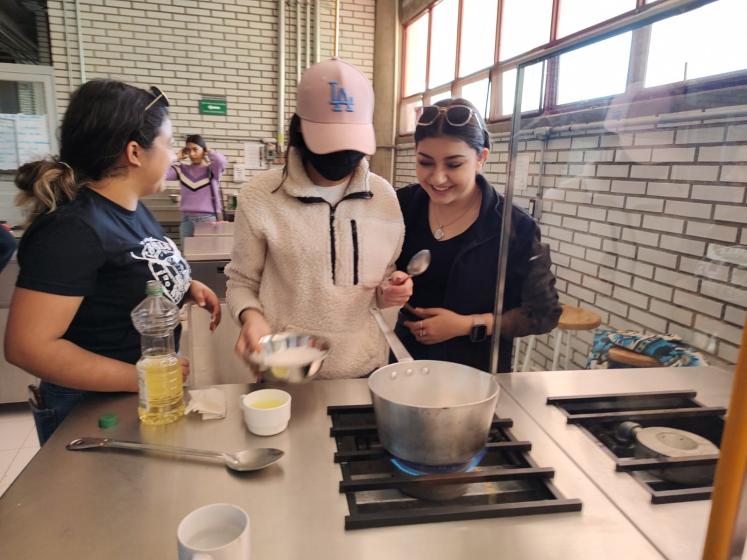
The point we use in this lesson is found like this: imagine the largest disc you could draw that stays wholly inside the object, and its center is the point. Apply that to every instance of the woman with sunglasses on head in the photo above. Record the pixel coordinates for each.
(91, 246)
(315, 243)
(455, 213)
(200, 199)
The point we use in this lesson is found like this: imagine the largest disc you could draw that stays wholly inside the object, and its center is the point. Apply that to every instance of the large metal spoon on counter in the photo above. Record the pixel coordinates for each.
(248, 460)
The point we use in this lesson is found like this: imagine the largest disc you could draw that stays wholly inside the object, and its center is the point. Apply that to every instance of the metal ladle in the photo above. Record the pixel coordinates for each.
(248, 460)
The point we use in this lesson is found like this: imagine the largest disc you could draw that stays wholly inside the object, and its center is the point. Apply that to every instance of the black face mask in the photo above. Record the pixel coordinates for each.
(335, 166)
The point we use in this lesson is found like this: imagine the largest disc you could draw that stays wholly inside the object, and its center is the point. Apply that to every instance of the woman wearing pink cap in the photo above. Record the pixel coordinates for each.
(315, 240)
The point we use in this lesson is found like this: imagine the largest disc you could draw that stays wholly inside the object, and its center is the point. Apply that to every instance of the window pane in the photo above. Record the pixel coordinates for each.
(525, 24)
(443, 42)
(416, 38)
(530, 97)
(477, 94)
(440, 96)
(22, 97)
(478, 35)
(578, 14)
(409, 116)
(704, 42)
(597, 70)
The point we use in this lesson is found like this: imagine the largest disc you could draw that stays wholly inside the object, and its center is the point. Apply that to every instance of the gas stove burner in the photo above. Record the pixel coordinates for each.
(668, 441)
(435, 492)
(414, 469)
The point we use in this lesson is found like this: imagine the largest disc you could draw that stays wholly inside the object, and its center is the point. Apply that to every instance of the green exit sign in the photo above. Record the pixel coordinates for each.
(213, 107)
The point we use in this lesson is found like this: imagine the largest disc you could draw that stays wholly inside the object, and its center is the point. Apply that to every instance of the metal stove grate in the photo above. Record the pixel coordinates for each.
(599, 415)
(506, 482)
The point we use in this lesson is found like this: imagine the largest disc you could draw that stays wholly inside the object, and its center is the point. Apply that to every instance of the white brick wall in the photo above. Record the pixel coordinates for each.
(635, 230)
(224, 48)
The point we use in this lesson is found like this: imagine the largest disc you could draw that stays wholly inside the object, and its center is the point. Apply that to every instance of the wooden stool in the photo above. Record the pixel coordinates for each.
(630, 358)
(571, 320)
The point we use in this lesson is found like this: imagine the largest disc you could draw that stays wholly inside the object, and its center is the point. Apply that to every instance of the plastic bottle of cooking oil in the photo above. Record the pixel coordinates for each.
(159, 372)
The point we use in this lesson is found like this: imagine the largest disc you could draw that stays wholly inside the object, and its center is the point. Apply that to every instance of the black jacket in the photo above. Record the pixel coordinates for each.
(471, 286)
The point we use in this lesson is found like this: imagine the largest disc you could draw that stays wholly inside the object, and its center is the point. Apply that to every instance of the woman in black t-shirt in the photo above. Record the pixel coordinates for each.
(90, 248)
(456, 214)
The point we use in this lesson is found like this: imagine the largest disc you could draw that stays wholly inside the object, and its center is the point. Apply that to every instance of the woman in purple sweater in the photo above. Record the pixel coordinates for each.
(200, 184)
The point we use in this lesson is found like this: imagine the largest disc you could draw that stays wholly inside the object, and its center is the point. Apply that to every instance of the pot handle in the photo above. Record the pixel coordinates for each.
(398, 349)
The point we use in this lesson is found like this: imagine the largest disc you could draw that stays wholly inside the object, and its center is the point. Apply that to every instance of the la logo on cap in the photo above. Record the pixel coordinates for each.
(339, 97)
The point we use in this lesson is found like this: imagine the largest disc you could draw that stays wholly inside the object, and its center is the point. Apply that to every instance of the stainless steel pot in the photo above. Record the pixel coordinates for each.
(431, 412)
(666, 442)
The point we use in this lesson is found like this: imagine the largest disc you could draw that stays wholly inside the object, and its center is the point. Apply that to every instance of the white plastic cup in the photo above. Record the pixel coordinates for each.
(214, 532)
(267, 411)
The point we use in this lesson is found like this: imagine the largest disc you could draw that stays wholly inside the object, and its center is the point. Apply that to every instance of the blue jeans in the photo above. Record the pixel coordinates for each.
(58, 402)
(187, 227)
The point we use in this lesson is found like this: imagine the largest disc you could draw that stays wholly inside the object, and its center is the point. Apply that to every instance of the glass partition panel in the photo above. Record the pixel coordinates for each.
(704, 42)
(598, 70)
(531, 98)
(645, 215)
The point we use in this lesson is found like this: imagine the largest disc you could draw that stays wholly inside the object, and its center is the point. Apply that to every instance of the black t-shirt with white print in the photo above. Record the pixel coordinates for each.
(94, 248)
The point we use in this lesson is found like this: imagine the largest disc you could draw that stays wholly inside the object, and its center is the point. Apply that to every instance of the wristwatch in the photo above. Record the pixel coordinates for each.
(479, 330)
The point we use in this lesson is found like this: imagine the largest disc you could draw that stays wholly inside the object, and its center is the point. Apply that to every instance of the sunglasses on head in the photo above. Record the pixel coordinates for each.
(158, 95)
(455, 115)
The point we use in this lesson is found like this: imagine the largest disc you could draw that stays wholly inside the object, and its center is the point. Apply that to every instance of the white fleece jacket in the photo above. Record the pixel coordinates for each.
(312, 268)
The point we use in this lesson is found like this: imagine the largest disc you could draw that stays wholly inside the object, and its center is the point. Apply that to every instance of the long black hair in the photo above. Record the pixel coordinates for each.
(103, 116)
(473, 133)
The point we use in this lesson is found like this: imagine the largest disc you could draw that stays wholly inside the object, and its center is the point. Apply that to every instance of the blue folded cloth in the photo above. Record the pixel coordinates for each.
(669, 350)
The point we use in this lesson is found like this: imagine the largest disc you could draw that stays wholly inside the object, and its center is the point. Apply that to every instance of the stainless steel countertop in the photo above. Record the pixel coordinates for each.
(112, 504)
(677, 530)
(209, 229)
(208, 248)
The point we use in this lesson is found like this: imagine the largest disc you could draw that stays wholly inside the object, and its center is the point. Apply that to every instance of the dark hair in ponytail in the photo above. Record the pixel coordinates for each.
(103, 116)
(196, 139)
(295, 140)
(474, 133)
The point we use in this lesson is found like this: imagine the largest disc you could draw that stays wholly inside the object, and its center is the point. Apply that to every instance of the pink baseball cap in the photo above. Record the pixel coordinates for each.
(335, 104)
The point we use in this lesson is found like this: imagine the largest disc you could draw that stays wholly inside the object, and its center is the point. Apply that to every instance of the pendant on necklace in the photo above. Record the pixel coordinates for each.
(439, 233)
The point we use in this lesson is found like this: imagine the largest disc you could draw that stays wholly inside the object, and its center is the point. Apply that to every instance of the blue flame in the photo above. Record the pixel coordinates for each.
(414, 469)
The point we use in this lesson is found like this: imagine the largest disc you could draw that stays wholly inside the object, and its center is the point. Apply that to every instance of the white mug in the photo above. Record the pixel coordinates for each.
(214, 532)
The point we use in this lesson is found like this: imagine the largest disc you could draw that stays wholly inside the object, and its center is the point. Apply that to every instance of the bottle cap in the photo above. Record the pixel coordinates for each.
(153, 288)
(108, 420)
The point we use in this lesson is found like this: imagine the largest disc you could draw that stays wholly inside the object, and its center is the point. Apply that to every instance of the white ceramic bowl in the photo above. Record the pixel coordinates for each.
(266, 411)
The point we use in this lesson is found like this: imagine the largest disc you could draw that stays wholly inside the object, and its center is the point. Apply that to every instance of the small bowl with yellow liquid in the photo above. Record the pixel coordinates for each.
(266, 411)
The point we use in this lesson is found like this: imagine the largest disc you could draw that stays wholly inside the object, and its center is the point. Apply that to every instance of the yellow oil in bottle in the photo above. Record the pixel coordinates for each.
(161, 394)
(268, 403)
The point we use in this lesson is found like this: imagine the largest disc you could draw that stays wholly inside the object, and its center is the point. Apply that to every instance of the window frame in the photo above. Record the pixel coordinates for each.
(45, 76)
(634, 88)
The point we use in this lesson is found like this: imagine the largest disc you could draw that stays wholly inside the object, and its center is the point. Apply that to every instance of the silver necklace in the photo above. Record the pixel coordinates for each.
(439, 233)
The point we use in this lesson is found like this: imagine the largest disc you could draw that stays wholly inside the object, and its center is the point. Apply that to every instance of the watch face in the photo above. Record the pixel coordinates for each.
(478, 333)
